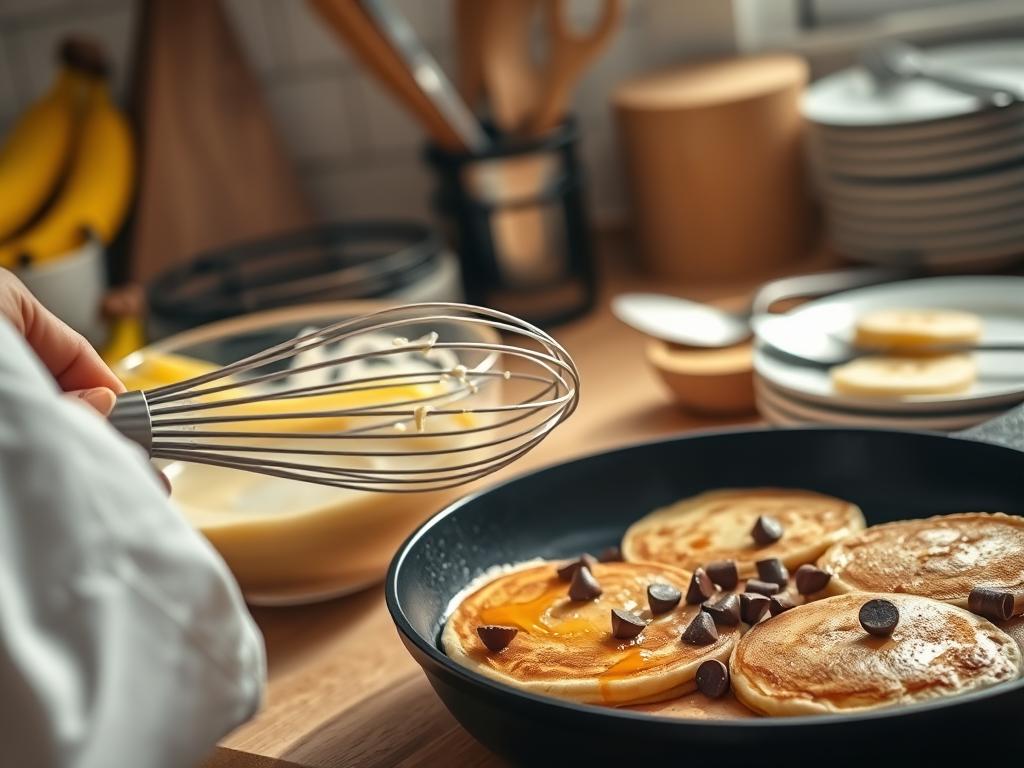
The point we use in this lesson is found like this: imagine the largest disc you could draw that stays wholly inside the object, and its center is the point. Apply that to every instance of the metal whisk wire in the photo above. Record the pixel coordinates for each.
(227, 418)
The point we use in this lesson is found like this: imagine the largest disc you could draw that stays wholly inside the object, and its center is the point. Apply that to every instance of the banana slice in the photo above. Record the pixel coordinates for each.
(913, 329)
(881, 376)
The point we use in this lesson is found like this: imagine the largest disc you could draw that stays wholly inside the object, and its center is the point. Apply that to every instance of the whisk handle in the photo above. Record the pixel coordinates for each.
(131, 418)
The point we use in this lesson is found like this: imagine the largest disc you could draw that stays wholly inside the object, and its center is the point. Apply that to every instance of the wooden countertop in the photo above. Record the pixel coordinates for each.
(343, 691)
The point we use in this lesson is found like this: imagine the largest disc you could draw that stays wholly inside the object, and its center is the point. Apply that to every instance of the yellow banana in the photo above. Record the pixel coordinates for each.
(36, 152)
(96, 192)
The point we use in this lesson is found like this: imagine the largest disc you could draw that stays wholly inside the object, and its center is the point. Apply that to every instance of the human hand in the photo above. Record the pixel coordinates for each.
(77, 367)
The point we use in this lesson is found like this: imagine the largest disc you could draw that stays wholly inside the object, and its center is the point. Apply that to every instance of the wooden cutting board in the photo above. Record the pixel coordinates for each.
(213, 170)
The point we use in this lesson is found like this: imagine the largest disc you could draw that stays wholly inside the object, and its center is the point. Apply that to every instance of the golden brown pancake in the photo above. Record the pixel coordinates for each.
(697, 706)
(717, 526)
(817, 658)
(1014, 628)
(566, 648)
(941, 557)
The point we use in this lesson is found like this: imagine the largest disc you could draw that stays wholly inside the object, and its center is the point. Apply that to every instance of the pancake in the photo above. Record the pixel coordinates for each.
(1014, 628)
(817, 659)
(717, 526)
(566, 648)
(697, 706)
(941, 557)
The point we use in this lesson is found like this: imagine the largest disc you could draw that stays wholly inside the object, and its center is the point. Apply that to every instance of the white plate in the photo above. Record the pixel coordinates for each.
(874, 190)
(978, 258)
(819, 414)
(936, 130)
(918, 149)
(774, 416)
(999, 301)
(1005, 216)
(956, 162)
(1009, 198)
(980, 238)
(850, 98)
(784, 417)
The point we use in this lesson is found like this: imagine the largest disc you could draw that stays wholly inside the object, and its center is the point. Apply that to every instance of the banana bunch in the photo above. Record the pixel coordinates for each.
(67, 169)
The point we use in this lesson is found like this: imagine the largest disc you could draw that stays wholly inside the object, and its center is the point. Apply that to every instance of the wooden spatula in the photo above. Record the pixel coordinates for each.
(511, 77)
(569, 55)
(468, 16)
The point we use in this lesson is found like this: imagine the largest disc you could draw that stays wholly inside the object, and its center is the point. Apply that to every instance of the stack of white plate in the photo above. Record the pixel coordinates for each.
(789, 393)
(917, 173)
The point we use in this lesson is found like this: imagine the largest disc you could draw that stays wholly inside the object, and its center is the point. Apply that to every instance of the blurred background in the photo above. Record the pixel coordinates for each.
(189, 182)
(267, 97)
(175, 172)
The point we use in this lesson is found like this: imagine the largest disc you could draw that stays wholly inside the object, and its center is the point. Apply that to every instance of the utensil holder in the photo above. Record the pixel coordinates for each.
(515, 215)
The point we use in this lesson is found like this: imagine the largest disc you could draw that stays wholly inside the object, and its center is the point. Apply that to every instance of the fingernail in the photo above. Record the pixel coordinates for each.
(100, 398)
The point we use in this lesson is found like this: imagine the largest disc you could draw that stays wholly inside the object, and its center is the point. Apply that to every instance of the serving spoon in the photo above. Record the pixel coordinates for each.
(692, 324)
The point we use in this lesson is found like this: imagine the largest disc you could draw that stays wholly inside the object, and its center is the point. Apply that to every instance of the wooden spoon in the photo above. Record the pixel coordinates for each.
(511, 76)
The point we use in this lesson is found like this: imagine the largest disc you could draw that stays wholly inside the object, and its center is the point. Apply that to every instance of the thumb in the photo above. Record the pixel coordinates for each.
(100, 399)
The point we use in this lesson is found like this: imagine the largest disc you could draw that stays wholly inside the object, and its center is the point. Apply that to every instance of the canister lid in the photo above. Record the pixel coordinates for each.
(712, 82)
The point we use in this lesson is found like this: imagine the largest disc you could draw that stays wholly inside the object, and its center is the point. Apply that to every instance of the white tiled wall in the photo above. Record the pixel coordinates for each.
(356, 151)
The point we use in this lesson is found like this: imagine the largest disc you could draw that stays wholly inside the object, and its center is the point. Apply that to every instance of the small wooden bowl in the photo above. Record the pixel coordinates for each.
(710, 381)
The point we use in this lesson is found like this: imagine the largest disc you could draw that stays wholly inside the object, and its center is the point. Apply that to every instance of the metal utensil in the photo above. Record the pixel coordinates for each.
(295, 411)
(893, 61)
(680, 321)
(428, 74)
(351, 22)
(810, 346)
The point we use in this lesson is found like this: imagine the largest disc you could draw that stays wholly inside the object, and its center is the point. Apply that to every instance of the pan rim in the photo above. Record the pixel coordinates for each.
(568, 707)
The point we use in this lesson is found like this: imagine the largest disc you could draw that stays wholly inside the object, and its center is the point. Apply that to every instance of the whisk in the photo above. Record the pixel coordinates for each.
(358, 405)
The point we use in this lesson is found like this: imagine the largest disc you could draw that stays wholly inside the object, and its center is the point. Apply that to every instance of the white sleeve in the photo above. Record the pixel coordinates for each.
(123, 637)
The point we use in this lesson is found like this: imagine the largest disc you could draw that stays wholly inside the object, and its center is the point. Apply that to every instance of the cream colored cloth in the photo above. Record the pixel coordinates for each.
(124, 640)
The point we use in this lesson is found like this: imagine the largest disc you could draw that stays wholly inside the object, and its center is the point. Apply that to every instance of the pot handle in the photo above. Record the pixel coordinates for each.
(1007, 429)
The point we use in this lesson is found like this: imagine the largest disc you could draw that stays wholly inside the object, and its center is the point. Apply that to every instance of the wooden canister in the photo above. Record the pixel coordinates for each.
(714, 162)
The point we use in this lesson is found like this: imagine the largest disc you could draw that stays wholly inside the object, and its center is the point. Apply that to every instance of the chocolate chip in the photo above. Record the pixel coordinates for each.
(584, 586)
(701, 587)
(495, 636)
(879, 617)
(810, 579)
(567, 571)
(701, 630)
(762, 587)
(779, 604)
(723, 573)
(662, 598)
(713, 678)
(766, 531)
(752, 607)
(610, 555)
(725, 611)
(993, 604)
(773, 571)
(626, 625)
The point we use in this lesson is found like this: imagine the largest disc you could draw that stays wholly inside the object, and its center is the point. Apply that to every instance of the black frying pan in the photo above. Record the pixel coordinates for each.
(586, 504)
